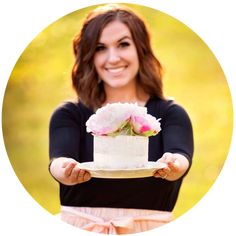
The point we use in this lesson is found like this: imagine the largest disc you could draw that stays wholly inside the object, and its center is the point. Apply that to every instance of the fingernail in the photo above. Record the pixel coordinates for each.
(87, 176)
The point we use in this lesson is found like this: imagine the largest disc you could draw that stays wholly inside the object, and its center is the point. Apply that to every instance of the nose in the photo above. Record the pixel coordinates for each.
(113, 56)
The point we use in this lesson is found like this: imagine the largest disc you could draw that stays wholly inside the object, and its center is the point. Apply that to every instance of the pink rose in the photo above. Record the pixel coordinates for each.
(146, 125)
(123, 118)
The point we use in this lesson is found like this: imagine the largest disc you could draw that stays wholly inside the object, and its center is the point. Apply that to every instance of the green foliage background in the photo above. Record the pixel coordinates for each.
(40, 80)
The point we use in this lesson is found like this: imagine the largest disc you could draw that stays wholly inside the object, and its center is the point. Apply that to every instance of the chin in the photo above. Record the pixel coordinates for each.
(119, 83)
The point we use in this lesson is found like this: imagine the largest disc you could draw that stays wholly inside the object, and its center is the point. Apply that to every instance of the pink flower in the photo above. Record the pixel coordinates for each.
(146, 125)
(109, 119)
(122, 118)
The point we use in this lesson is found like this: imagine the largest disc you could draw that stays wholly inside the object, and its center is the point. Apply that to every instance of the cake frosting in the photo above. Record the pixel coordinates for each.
(120, 152)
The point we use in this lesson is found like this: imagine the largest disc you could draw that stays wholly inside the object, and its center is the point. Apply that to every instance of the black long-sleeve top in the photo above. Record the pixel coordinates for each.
(68, 138)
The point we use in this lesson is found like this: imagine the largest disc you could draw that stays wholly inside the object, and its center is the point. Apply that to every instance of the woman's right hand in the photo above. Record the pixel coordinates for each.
(66, 171)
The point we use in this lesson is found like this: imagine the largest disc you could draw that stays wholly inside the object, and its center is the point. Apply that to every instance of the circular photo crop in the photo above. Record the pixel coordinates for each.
(41, 81)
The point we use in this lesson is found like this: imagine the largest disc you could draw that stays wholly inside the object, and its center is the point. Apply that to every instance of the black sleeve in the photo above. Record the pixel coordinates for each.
(64, 132)
(177, 132)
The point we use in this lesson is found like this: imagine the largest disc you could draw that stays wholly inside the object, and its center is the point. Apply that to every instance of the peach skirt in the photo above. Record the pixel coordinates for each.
(114, 220)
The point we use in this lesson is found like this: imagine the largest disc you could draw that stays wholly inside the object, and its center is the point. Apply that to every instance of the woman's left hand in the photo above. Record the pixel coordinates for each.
(177, 165)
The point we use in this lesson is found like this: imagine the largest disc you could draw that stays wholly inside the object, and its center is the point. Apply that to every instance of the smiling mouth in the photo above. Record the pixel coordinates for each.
(116, 70)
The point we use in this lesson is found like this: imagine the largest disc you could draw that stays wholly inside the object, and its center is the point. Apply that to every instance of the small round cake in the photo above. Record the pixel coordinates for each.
(120, 152)
(121, 132)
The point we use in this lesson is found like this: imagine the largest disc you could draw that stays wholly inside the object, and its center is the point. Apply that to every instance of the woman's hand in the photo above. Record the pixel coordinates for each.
(177, 165)
(66, 171)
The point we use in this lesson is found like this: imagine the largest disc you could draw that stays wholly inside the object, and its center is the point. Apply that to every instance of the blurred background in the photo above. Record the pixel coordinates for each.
(40, 81)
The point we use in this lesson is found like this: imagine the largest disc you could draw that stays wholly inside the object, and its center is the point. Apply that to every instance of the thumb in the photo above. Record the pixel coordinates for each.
(174, 166)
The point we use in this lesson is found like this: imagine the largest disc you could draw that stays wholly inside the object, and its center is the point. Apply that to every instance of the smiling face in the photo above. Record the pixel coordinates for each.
(116, 59)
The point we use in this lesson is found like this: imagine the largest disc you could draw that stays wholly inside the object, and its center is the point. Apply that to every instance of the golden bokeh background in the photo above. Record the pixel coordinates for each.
(40, 81)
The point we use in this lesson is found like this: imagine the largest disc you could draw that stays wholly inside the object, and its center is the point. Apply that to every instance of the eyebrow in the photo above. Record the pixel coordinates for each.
(124, 37)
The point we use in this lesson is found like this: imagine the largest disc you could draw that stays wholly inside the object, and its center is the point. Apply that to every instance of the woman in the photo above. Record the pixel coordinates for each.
(114, 62)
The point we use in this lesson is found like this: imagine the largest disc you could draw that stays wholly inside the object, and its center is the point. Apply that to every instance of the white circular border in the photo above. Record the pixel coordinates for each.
(213, 21)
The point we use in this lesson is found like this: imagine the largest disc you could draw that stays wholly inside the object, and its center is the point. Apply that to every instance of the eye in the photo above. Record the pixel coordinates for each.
(124, 44)
(100, 48)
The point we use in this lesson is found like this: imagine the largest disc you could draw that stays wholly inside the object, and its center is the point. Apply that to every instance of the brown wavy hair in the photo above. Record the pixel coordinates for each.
(84, 76)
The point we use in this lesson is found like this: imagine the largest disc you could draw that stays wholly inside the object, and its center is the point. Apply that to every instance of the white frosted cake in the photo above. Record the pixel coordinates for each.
(120, 152)
(121, 132)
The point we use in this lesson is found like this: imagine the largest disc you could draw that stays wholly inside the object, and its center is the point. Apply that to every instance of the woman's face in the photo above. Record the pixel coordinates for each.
(116, 59)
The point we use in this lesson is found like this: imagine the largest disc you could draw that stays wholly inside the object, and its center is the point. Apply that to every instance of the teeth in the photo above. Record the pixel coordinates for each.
(116, 70)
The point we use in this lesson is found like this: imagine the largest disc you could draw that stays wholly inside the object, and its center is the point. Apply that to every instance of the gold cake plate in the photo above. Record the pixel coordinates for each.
(145, 171)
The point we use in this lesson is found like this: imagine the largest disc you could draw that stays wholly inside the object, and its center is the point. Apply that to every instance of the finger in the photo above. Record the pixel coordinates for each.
(162, 172)
(87, 176)
(65, 163)
(69, 168)
(174, 166)
(75, 173)
(166, 156)
(83, 176)
(161, 160)
(159, 175)
(170, 159)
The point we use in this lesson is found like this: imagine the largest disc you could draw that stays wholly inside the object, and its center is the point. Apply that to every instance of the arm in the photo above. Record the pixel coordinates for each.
(66, 171)
(64, 145)
(177, 137)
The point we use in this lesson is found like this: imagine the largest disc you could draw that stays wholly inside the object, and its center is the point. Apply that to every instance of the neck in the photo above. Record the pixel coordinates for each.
(126, 95)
